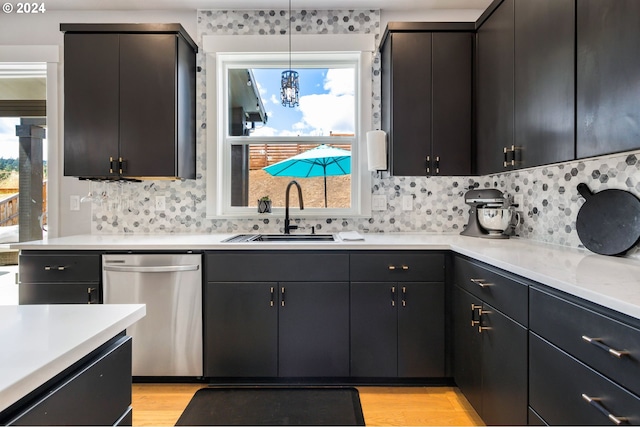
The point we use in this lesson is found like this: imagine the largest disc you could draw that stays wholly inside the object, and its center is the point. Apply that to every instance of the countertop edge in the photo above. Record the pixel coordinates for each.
(51, 367)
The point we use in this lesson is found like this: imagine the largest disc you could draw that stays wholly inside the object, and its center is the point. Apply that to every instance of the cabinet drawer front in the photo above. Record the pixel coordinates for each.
(38, 268)
(278, 267)
(501, 291)
(557, 383)
(59, 293)
(397, 267)
(565, 324)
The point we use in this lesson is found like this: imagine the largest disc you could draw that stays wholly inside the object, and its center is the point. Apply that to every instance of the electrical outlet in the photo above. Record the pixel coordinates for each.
(518, 199)
(379, 203)
(160, 203)
(407, 203)
(74, 203)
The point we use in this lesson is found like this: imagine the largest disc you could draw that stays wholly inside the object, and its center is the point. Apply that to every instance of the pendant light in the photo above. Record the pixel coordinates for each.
(289, 83)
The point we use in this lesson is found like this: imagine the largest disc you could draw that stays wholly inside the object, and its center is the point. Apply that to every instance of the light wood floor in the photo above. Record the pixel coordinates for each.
(162, 404)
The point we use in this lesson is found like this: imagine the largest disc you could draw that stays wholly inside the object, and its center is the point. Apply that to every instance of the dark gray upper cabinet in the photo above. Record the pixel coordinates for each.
(544, 82)
(427, 78)
(129, 101)
(495, 90)
(608, 70)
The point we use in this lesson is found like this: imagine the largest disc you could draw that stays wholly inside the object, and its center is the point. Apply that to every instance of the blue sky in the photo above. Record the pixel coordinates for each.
(326, 103)
(9, 145)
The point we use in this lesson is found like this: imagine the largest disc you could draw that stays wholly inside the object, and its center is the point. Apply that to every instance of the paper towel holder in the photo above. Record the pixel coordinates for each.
(377, 150)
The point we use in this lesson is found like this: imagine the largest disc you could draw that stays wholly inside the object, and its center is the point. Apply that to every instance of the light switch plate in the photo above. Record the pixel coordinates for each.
(407, 203)
(379, 203)
(160, 203)
(74, 203)
(518, 199)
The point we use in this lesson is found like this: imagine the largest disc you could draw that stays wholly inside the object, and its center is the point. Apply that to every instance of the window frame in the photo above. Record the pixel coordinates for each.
(326, 50)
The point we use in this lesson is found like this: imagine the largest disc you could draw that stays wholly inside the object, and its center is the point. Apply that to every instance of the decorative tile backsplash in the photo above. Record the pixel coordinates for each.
(550, 195)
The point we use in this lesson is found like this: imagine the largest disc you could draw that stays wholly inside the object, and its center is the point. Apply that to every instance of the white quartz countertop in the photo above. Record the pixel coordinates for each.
(40, 341)
(613, 282)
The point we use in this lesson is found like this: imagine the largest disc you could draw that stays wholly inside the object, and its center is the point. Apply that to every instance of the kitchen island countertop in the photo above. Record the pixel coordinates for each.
(612, 282)
(41, 341)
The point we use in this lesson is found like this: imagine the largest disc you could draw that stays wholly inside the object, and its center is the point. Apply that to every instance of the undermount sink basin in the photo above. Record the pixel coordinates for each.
(281, 238)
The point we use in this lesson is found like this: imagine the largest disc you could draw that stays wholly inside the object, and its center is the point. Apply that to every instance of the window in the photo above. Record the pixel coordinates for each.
(258, 146)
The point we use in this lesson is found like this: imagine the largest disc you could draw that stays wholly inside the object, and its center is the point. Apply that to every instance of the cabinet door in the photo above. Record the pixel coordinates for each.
(374, 329)
(148, 76)
(544, 81)
(314, 329)
(421, 330)
(452, 56)
(467, 349)
(241, 327)
(91, 104)
(504, 369)
(608, 105)
(406, 98)
(59, 293)
(495, 93)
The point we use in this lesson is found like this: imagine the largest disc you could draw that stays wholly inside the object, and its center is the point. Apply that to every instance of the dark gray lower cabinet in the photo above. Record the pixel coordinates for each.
(242, 330)
(564, 391)
(313, 329)
(286, 329)
(397, 329)
(490, 318)
(59, 277)
(96, 391)
(490, 360)
(584, 361)
(276, 314)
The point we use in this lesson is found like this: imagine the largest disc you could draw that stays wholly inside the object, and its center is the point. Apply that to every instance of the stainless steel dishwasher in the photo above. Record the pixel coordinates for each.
(168, 340)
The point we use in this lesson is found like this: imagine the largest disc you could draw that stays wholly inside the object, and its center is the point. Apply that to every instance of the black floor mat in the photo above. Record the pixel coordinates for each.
(273, 406)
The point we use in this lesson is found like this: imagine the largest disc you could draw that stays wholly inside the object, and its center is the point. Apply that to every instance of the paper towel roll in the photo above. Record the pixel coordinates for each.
(377, 150)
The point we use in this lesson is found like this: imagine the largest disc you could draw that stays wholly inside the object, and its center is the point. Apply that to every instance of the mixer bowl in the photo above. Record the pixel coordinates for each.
(495, 220)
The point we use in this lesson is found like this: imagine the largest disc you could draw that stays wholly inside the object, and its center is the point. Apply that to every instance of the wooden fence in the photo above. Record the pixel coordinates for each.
(9, 207)
(262, 155)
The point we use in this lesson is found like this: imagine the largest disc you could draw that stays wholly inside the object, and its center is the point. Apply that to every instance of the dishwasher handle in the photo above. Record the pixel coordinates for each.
(151, 269)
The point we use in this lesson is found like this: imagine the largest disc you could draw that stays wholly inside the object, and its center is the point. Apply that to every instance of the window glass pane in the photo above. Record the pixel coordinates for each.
(327, 103)
(264, 169)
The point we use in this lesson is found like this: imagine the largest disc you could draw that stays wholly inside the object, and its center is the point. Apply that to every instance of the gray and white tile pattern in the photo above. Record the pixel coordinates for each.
(551, 200)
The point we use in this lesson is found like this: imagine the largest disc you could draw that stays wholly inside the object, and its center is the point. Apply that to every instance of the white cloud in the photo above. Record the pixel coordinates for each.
(274, 99)
(328, 113)
(340, 81)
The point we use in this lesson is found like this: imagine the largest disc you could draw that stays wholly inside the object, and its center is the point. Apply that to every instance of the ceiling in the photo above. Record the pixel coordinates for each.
(387, 5)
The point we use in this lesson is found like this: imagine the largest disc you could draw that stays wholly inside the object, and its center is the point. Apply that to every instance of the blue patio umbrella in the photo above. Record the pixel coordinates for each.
(322, 160)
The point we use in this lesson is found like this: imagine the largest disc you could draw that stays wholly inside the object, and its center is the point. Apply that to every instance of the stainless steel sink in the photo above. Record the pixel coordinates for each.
(240, 238)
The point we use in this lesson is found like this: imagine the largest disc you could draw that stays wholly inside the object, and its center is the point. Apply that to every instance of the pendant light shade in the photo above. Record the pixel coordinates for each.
(289, 90)
(289, 83)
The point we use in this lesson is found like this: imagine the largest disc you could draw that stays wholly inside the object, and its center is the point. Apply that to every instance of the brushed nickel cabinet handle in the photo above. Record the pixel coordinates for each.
(437, 165)
(481, 282)
(58, 268)
(595, 402)
(282, 292)
(428, 163)
(404, 296)
(395, 267)
(393, 296)
(598, 343)
(273, 293)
